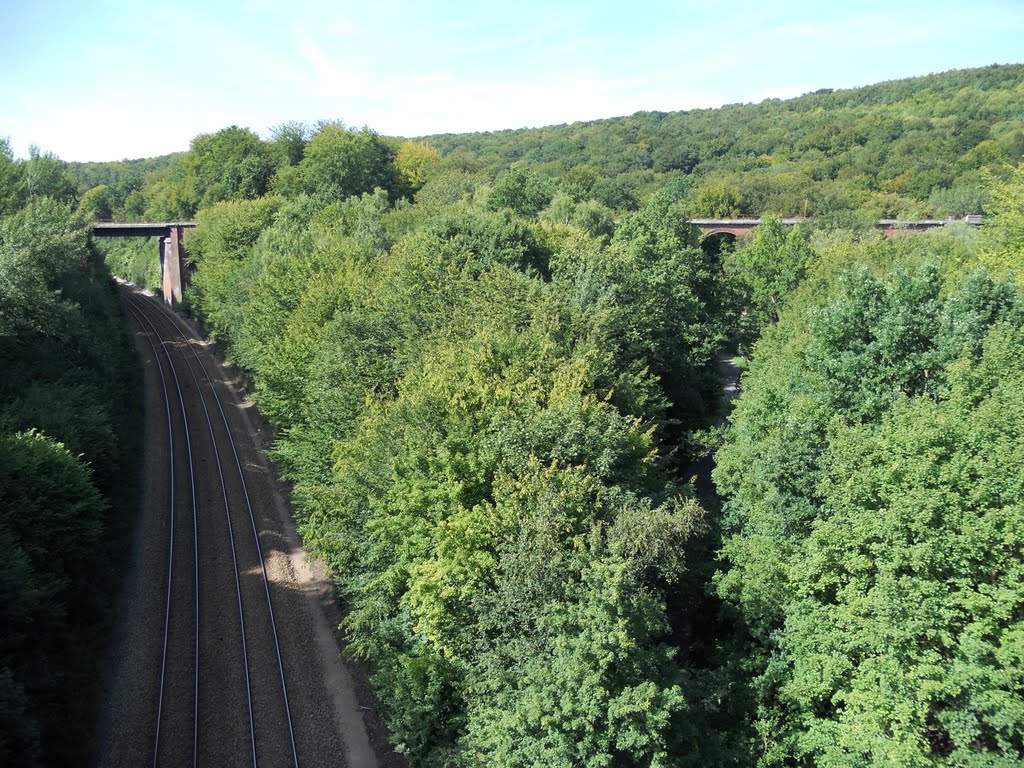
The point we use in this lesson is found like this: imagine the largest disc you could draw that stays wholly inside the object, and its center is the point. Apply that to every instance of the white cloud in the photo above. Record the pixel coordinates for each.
(410, 70)
(440, 104)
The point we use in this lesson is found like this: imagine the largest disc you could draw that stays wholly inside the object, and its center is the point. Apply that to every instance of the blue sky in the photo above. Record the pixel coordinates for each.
(113, 79)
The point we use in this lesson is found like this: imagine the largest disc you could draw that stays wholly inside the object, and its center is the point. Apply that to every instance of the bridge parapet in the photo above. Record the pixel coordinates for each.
(138, 228)
(737, 227)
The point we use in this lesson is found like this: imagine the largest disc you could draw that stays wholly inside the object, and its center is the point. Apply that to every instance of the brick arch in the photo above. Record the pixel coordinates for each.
(717, 239)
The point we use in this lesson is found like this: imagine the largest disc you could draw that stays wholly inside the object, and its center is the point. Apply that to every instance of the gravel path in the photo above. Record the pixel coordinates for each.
(700, 470)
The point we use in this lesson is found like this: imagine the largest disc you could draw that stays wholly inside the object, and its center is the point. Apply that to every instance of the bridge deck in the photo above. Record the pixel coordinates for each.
(881, 223)
(138, 228)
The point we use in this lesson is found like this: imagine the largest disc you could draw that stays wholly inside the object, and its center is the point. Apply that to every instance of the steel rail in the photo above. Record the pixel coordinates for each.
(175, 321)
(195, 541)
(231, 534)
(170, 553)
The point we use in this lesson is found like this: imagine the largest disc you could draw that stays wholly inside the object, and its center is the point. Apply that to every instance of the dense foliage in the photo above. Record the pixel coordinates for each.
(911, 148)
(67, 431)
(908, 148)
(472, 414)
(872, 528)
(488, 365)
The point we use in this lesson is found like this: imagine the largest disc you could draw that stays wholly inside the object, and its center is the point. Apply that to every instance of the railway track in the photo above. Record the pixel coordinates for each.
(225, 662)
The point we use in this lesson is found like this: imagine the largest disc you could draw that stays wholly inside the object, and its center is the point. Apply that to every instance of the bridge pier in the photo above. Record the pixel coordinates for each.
(174, 274)
(172, 265)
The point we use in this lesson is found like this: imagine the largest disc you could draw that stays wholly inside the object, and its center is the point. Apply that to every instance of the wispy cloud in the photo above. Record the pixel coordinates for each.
(410, 68)
(329, 71)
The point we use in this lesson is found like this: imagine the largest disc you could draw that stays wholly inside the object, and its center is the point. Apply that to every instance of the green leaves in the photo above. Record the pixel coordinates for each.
(474, 444)
(1004, 224)
(66, 393)
(873, 522)
(232, 164)
(591, 687)
(339, 163)
(521, 191)
(39, 246)
(907, 591)
(766, 272)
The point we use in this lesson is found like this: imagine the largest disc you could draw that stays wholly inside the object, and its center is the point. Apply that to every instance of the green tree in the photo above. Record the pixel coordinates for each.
(522, 191)
(12, 189)
(67, 392)
(38, 246)
(578, 182)
(50, 518)
(289, 142)
(595, 219)
(657, 302)
(900, 630)
(843, 475)
(96, 204)
(221, 246)
(232, 164)
(339, 163)
(765, 272)
(46, 175)
(716, 200)
(616, 194)
(415, 162)
(559, 211)
(1004, 224)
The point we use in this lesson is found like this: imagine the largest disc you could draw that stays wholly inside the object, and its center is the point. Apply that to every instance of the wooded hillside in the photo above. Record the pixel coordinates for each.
(488, 363)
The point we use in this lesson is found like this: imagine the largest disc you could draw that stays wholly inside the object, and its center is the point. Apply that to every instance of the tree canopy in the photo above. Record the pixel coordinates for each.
(68, 421)
(490, 365)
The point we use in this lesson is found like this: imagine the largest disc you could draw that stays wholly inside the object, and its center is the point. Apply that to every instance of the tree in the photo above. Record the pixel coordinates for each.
(595, 219)
(67, 389)
(12, 190)
(339, 163)
(492, 238)
(221, 246)
(900, 630)
(522, 191)
(232, 164)
(489, 436)
(765, 272)
(415, 162)
(38, 247)
(616, 194)
(289, 141)
(656, 301)
(578, 182)
(1004, 224)
(96, 203)
(716, 200)
(46, 175)
(846, 522)
(51, 516)
(559, 211)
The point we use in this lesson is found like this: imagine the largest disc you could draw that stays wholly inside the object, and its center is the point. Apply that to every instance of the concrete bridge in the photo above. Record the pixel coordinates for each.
(889, 227)
(172, 252)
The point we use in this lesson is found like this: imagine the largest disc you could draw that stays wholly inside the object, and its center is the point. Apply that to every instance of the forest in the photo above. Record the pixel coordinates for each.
(69, 431)
(488, 362)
